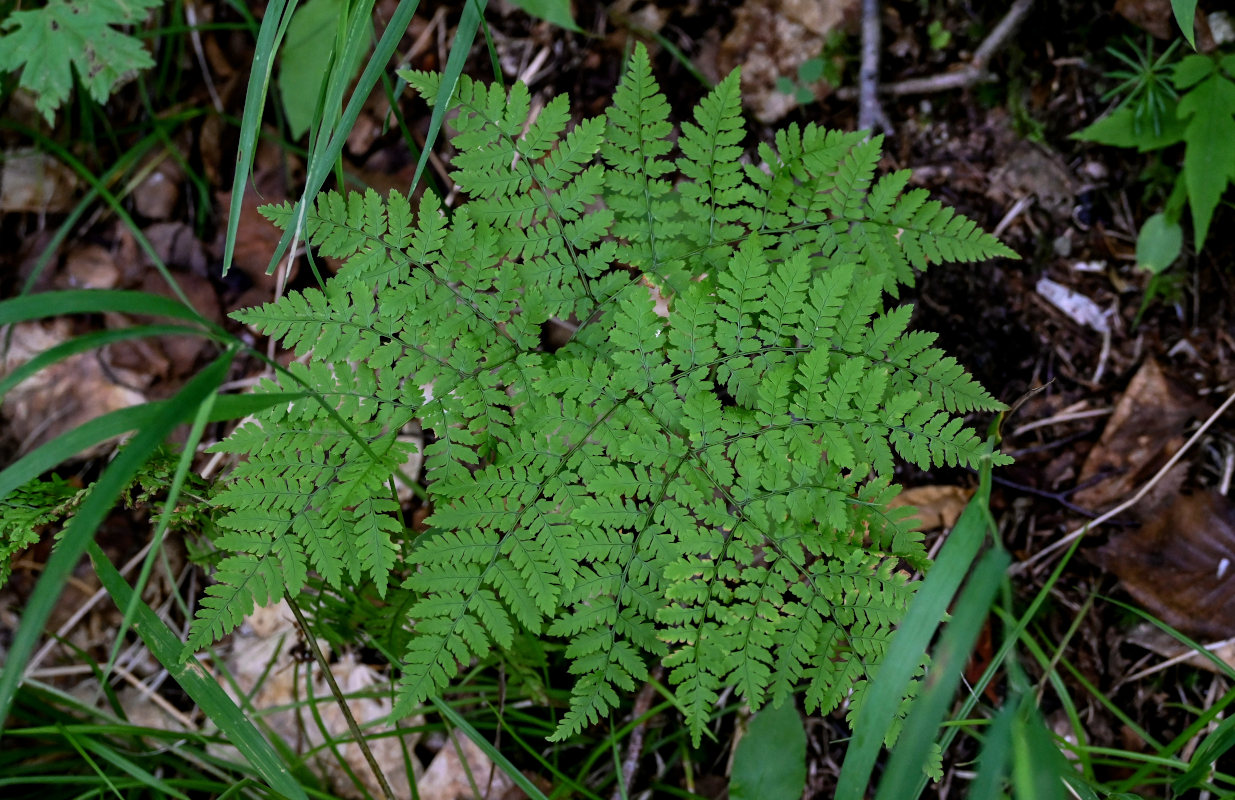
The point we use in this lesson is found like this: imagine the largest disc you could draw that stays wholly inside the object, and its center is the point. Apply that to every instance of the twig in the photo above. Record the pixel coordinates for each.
(1131, 501)
(634, 747)
(870, 112)
(339, 699)
(967, 75)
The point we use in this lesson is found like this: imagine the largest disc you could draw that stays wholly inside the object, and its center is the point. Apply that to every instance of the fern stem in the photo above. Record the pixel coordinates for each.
(338, 697)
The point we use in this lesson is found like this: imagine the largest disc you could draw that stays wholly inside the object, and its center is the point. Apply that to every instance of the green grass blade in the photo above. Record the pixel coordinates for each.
(928, 711)
(465, 34)
(70, 443)
(98, 503)
(195, 681)
(97, 301)
(502, 763)
(910, 641)
(86, 342)
(274, 25)
(145, 777)
(994, 758)
(200, 420)
(323, 157)
(235, 406)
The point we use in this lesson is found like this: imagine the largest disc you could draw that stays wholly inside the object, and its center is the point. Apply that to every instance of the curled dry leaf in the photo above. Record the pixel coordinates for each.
(1180, 564)
(63, 396)
(34, 181)
(937, 506)
(1147, 428)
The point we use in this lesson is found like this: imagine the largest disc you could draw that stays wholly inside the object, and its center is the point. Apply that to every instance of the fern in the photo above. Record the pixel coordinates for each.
(707, 489)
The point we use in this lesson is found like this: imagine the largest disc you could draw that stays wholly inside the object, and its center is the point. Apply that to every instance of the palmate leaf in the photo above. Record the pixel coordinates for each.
(698, 476)
(49, 43)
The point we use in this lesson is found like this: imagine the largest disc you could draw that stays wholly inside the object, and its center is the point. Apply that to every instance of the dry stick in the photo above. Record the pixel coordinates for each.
(324, 665)
(1133, 500)
(634, 748)
(967, 75)
(870, 112)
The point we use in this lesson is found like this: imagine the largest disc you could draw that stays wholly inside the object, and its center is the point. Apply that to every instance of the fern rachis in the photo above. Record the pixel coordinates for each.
(705, 485)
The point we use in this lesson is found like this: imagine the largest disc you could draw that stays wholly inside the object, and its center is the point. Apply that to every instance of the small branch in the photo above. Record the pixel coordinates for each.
(870, 112)
(634, 748)
(959, 78)
(339, 698)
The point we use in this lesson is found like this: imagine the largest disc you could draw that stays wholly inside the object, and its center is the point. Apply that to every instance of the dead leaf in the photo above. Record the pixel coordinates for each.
(91, 267)
(446, 778)
(263, 667)
(1144, 431)
(1180, 564)
(63, 396)
(34, 181)
(937, 506)
(771, 39)
(156, 196)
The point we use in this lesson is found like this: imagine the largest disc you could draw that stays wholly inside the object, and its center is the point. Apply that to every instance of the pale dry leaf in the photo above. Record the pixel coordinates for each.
(1146, 428)
(938, 507)
(34, 181)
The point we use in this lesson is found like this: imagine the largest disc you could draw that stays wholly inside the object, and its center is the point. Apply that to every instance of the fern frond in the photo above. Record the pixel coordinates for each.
(699, 474)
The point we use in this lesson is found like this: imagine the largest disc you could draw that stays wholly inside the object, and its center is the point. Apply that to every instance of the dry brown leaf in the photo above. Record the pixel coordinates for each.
(91, 267)
(262, 665)
(1144, 431)
(447, 779)
(771, 39)
(156, 196)
(937, 506)
(34, 181)
(1180, 564)
(63, 396)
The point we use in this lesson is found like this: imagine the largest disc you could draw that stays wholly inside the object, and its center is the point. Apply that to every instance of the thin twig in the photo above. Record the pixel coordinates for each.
(634, 747)
(967, 75)
(339, 699)
(870, 112)
(1134, 499)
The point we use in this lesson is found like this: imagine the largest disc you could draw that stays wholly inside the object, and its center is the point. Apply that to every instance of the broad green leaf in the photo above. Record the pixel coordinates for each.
(1119, 129)
(555, 11)
(1209, 159)
(771, 757)
(64, 35)
(305, 59)
(1158, 244)
(1185, 15)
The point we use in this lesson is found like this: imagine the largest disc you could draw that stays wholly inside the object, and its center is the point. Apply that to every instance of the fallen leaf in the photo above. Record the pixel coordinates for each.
(34, 181)
(937, 506)
(446, 777)
(64, 395)
(1146, 428)
(771, 39)
(1180, 564)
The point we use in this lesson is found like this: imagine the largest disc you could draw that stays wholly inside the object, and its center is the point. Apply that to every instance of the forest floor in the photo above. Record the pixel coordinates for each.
(1105, 386)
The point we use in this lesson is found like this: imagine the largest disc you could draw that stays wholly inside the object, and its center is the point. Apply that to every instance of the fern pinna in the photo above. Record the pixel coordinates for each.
(699, 476)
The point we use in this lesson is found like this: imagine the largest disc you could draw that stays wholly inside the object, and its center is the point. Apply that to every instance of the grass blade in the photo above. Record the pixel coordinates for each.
(911, 640)
(274, 25)
(204, 690)
(928, 711)
(503, 763)
(98, 503)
